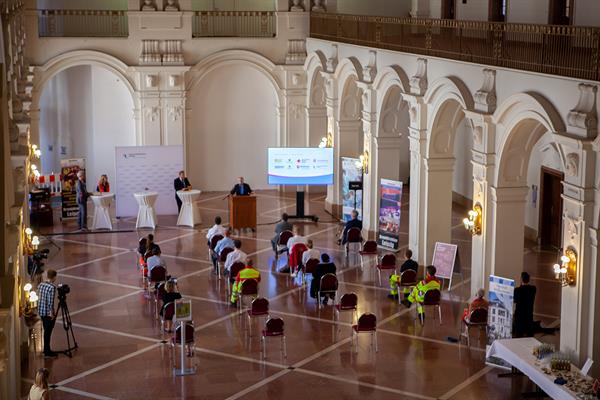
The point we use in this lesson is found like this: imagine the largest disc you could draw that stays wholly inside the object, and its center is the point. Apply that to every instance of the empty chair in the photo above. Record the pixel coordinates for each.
(432, 298)
(222, 259)
(189, 339)
(258, 308)
(309, 268)
(328, 286)
(249, 289)
(282, 243)
(274, 327)
(367, 323)
(369, 249)
(348, 303)
(407, 279)
(353, 238)
(388, 262)
(477, 318)
(233, 273)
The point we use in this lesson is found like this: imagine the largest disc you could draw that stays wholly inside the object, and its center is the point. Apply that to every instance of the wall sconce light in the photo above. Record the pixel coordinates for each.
(34, 151)
(326, 141)
(473, 222)
(566, 271)
(34, 174)
(31, 299)
(363, 162)
(35, 242)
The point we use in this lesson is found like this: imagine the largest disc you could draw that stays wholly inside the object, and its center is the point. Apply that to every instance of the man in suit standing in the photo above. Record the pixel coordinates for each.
(241, 188)
(181, 183)
(281, 226)
(524, 299)
(82, 197)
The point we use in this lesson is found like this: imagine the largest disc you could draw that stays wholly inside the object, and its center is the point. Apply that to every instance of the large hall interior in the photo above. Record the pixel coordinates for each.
(291, 199)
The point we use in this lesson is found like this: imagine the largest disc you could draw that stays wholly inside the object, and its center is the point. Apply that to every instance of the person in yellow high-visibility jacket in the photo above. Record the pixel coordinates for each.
(418, 292)
(249, 272)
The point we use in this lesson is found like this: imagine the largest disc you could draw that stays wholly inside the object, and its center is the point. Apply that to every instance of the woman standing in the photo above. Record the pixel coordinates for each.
(103, 185)
(39, 389)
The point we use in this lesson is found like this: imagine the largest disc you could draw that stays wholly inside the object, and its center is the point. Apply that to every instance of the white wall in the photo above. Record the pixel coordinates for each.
(587, 12)
(85, 112)
(463, 169)
(474, 10)
(530, 11)
(435, 8)
(396, 8)
(232, 123)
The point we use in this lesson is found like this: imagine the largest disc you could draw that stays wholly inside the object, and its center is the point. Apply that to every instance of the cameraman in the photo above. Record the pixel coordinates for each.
(47, 311)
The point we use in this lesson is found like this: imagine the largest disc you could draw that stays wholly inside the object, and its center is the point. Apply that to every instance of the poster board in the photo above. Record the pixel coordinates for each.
(183, 310)
(390, 202)
(351, 173)
(147, 168)
(68, 170)
(500, 314)
(444, 259)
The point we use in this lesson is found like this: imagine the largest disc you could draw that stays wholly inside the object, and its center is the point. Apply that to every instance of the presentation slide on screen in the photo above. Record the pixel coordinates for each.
(300, 166)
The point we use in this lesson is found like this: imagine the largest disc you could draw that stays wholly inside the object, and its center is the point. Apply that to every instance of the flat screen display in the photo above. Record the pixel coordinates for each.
(300, 166)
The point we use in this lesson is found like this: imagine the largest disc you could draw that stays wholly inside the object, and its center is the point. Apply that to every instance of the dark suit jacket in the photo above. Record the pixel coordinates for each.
(409, 264)
(353, 223)
(524, 299)
(179, 185)
(81, 191)
(322, 270)
(237, 190)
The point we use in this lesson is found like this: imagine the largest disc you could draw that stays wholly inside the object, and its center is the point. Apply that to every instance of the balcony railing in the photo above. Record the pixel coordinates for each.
(560, 50)
(82, 23)
(256, 24)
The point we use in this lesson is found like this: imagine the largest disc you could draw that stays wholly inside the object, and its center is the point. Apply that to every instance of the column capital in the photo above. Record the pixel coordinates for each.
(439, 164)
(387, 142)
(516, 194)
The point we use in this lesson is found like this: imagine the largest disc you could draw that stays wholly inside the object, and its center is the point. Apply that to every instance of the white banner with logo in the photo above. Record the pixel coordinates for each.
(147, 168)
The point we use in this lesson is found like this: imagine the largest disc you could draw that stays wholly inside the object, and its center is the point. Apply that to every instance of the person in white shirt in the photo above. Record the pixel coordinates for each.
(235, 256)
(155, 260)
(310, 253)
(297, 238)
(216, 229)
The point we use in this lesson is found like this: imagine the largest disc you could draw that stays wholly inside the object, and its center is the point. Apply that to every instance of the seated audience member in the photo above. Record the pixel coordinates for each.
(281, 226)
(297, 238)
(418, 292)
(236, 255)
(524, 299)
(142, 245)
(150, 246)
(155, 260)
(216, 229)
(249, 272)
(40, 390)
(227, 241)
(310, 253)
(169, 296)
(409, 263)
(326, 266)
(353, 223)
(478, 301)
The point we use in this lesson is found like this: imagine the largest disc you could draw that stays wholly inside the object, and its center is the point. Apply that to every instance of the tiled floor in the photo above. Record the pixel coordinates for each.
(122, 355)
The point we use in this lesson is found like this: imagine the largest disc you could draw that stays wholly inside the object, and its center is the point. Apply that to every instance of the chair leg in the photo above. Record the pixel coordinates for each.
(376, 344)
(284, 346)
(379, 273)
(263, 347)
(439, 307)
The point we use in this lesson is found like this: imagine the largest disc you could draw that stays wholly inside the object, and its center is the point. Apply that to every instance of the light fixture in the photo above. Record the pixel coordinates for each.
(473, 221)
(28, 232)
(35, 242)
(566, 271)
(326, 141)
(27, 287)
(33, 299)
(34, 151)
(363, 162)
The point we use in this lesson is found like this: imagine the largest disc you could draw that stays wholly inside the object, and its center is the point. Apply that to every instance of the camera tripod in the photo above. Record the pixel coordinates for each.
(67, 325)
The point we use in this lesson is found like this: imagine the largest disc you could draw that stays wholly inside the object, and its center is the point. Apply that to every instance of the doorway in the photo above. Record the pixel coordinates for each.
(560, 12)
(550, 226)
(448, 7)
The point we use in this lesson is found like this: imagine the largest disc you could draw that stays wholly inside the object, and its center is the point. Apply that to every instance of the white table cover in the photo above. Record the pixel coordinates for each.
(190, 213)
(102, 204)
(519, 354)
(146, 215)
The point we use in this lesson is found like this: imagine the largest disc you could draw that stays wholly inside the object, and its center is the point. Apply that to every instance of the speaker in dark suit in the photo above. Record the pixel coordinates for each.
(241, 188)
(181, 183)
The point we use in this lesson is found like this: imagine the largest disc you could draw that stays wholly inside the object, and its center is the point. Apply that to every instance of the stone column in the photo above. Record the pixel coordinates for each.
(332, 201)
(371, 176)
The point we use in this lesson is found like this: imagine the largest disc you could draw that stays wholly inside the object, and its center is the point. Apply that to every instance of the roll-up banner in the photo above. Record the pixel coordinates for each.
(389, 213)
(68, 170)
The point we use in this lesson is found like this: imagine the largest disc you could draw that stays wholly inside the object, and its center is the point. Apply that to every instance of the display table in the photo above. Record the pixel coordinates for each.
(190, 213)
(146, 215)
(519, 354)
(102, 204)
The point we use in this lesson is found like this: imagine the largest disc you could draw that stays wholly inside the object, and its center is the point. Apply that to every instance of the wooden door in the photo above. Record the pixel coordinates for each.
(550, 226)
(448, 8)
(560, 12)
(497, 10)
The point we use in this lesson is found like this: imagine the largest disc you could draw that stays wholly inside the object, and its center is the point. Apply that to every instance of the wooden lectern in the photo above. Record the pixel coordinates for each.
(242, 212)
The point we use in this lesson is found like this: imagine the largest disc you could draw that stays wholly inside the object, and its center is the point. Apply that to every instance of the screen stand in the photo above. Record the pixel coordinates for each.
(300, 206)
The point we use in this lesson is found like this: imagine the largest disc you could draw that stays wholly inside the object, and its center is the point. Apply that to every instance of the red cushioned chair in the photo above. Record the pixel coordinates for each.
(213, 242)
(369, 249)
(168, 312)
(348, 303)
(274, 327)
(258, 308)
(477, 318)
(354, 238)
(367, 323)
(233, 273)
(388, 262)
(249, 289)
(296, 256)
(282, 243)
(329, 284)
(407, 279)
(158, 295)
(432, 298)
(189, 339)
(222, 259)
(156, 275)
(309, 268)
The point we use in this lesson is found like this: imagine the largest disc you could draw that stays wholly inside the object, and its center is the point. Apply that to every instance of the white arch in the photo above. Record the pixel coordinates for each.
(522, 119)
(70, 59)
(387, 79)
(348, 71)
(314, 65)
(236, 57)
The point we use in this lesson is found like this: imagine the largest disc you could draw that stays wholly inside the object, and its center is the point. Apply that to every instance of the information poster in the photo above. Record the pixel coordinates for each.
(444, 259)
(68, 170)
(183, 310)
(500, 314)
(389, 213)
(351, 172)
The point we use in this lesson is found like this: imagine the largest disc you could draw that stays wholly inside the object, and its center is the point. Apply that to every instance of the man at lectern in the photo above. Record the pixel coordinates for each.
(241, 188)
(181, 183)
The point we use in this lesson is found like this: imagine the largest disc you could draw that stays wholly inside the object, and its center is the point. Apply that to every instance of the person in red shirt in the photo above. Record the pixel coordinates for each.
(103, 185)
(478, 302)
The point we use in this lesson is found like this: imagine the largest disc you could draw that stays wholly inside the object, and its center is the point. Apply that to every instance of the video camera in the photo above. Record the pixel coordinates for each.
(35, 263)
(63, 290)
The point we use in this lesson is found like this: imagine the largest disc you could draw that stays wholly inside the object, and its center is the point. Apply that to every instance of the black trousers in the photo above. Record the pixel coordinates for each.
(178, 200)
(48, 324)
